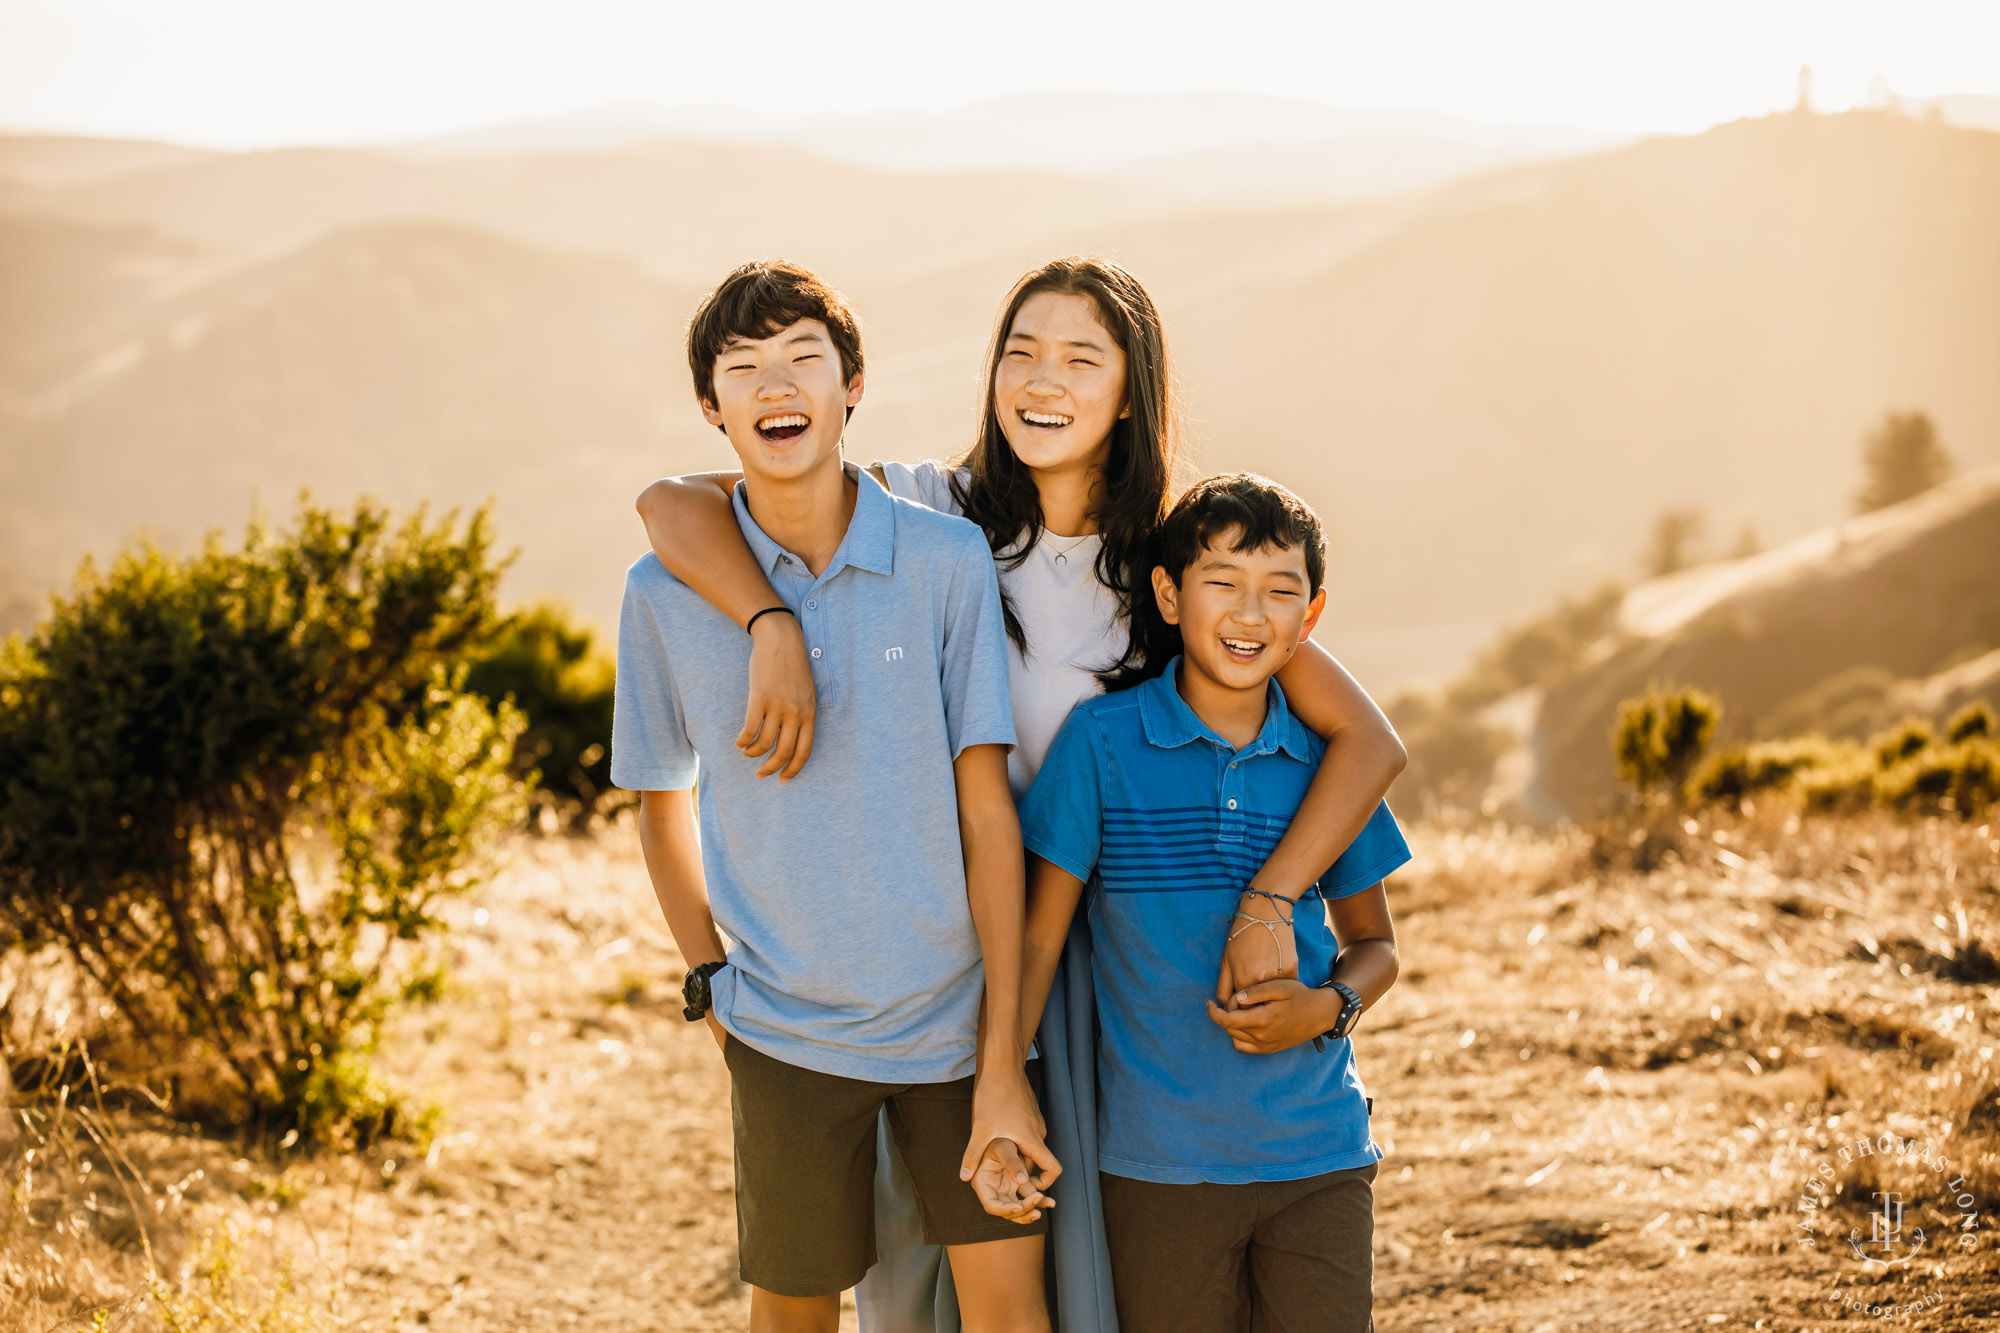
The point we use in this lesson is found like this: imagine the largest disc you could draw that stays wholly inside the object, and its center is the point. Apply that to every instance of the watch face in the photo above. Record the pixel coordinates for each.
(694, 990)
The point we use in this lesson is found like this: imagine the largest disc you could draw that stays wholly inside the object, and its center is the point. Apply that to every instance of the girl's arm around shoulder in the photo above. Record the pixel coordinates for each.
(691, 526)
(1363, 756)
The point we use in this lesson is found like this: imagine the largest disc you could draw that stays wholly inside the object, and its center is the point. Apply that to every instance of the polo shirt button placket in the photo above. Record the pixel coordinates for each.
(814, 621)
(1229, 824)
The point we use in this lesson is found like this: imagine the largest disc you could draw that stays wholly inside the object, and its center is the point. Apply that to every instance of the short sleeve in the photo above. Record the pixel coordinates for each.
(927, 483)
(650, 749)
(973, 660)
(1062, 816)
(1377, 851)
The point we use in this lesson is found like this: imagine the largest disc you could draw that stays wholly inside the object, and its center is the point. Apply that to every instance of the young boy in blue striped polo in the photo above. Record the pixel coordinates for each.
(1237, 1162)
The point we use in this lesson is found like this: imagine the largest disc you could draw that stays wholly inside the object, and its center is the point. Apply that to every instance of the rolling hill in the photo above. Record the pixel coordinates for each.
(415, 362)
(1905, 593)
(45, 161)
(687, 211)
(1493, 401)
(1489, 388)
(68, 287)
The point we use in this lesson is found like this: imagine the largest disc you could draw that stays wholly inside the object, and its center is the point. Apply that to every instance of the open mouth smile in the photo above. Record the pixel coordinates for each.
(783, 426)
(1046, 420)
(1242, 650)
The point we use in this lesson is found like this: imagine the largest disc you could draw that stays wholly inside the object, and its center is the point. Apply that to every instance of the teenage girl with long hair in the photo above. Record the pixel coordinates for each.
(1073, 466)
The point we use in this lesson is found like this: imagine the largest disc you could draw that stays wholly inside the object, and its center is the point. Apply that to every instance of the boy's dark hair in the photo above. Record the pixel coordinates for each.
(759, 299)
(1263, 513)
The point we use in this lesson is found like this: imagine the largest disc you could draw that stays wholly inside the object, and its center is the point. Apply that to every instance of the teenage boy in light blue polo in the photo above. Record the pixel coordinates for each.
(872, 906)
(1234, 1142)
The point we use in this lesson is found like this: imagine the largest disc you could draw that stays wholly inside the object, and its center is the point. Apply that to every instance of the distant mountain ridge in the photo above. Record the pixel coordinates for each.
(1488, 389)
(1072, 131)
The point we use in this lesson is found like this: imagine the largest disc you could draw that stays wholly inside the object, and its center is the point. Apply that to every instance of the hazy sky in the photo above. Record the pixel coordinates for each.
(244, 72)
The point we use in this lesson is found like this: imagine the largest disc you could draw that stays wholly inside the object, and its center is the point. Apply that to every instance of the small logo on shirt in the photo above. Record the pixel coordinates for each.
(893, 655)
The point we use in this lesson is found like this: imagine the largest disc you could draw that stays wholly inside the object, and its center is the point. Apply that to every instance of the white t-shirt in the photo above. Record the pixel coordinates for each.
(1070, 618)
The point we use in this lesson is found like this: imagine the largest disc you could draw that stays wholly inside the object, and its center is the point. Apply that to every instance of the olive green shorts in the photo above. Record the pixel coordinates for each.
(805, 1170)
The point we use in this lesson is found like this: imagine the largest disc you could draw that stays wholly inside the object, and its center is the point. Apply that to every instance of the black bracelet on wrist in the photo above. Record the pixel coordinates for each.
(752, 622)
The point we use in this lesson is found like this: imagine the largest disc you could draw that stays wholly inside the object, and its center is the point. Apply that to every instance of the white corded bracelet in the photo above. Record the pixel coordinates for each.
(1285, 919)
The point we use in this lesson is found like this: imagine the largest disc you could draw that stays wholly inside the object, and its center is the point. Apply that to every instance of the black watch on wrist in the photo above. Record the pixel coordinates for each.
(694, 990)
(1350, 1010)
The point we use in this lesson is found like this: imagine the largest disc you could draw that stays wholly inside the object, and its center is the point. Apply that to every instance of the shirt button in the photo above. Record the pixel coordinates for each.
(1232, 800)
(816, 654)
(811, 605)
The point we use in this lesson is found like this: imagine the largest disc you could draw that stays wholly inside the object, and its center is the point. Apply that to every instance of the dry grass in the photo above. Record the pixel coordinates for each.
(1600, 1089)
(1606, 1086)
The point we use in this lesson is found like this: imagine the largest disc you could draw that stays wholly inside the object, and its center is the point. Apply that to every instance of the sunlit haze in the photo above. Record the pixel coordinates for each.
(239, 73)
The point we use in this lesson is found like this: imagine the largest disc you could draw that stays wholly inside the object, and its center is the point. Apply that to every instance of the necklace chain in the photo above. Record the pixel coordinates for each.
(1062, 556)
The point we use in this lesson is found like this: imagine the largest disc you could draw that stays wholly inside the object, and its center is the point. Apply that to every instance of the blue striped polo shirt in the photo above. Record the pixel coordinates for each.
(1166, 822)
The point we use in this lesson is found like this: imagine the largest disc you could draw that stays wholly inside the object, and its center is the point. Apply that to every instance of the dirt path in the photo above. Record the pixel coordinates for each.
(1573, 1140)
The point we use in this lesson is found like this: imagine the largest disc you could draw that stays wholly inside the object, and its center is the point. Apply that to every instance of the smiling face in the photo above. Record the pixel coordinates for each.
(783, 400)
(1241, 614)
(1060, 383)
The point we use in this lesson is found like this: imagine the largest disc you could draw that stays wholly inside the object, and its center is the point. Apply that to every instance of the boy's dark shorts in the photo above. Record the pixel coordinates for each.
(1278, 1257)
(805, 1170)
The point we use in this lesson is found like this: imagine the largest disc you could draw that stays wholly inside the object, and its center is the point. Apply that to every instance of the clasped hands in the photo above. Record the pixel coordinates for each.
(1259, 1000)
(1007, 1160)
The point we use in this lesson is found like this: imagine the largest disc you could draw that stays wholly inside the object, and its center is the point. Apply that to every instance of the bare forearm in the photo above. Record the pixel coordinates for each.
(673, 864)
(1369, 967)
(1363, 756)
(993, 888)
(1052, 899)
(691, 525)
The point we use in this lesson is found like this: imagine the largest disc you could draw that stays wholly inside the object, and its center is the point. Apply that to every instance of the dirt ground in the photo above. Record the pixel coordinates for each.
(1601, 1093)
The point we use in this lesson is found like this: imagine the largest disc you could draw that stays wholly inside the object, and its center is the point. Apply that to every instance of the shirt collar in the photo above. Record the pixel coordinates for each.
(1170, 723)
(869, 543)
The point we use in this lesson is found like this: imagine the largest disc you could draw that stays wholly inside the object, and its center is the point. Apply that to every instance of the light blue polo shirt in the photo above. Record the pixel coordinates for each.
(1166, 821)
(842, 892)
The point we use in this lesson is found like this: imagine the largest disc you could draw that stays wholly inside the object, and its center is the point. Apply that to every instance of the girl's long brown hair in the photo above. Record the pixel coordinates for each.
(997, 490)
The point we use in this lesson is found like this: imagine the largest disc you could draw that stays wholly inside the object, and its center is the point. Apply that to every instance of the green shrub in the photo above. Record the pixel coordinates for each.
(1973, 720)
(1962, 779)
(233, 787)
(1659, 737)
(1843, 785)
(1730, 775)
(548, 667)
(1909, 737)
